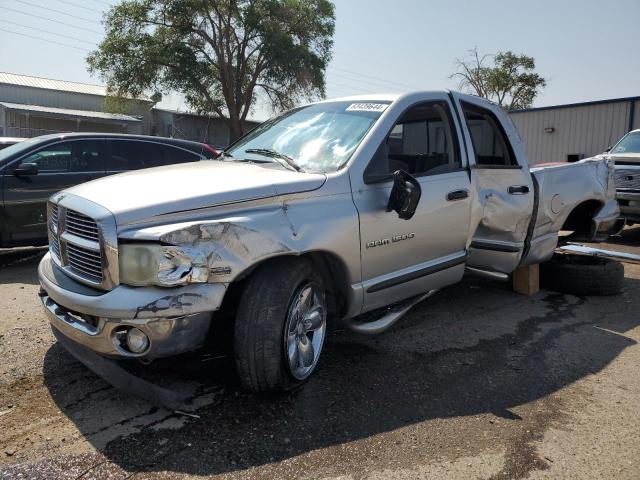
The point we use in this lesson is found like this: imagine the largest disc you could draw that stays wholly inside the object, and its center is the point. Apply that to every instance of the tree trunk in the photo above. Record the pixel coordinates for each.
(236, 129)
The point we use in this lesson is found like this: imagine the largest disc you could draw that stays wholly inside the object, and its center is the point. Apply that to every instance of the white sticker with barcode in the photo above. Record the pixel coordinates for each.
(367, 107)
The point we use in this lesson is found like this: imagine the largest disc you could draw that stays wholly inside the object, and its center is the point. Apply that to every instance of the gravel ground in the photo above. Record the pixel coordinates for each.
(476, 382)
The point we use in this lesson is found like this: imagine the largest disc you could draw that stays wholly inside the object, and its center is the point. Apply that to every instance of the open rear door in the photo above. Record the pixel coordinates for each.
(503, 183)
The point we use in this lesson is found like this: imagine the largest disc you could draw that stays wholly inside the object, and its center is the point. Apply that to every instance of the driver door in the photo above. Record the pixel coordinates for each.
(403, 258)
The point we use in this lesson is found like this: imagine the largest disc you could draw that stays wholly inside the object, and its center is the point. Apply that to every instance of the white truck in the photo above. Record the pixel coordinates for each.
(336, 209)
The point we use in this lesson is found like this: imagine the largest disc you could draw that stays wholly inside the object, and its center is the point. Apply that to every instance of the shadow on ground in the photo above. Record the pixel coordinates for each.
(474, 348)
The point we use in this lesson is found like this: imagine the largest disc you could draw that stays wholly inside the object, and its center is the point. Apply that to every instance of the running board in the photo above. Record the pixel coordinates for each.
(389, 319)
(578, 249)
(503, 277)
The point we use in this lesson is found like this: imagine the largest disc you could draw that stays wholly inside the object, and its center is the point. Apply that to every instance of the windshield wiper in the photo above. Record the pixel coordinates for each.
(289, 163)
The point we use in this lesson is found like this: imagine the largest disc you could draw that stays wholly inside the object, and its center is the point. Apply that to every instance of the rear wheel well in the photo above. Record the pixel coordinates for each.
(580, 220)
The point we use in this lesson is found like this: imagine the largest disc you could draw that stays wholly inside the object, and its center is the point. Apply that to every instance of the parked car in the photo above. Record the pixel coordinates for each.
(626, 154)
(8, 141)
(32, 170)
(337, 208)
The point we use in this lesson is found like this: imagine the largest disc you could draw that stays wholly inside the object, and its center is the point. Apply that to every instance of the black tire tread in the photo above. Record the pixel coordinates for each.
(258, 347)
(582, 275)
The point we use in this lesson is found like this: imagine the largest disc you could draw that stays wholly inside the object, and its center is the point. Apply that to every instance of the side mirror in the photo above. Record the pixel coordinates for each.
(26, 169)
(405, 195)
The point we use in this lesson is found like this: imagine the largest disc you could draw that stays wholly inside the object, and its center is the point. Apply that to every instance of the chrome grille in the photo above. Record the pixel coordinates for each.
(84, 262)
(627, 178)
(81, 225)
(76, 242)
(54, 244)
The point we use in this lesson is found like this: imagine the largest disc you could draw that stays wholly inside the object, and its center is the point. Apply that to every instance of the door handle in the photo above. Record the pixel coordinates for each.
(457, 195)
(518, 189)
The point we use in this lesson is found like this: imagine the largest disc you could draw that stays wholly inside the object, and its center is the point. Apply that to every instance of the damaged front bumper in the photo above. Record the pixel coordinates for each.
(175, 320)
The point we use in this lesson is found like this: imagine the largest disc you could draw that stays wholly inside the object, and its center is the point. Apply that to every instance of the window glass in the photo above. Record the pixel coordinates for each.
(178, 155)
(319, 138)
(86, 156)
(489, 141)
(54, 158)
(630, 143)
(421, 142)
(133, 155)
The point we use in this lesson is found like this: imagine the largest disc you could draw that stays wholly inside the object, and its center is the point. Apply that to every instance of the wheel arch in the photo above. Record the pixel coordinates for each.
(580, 218)
(330, 266)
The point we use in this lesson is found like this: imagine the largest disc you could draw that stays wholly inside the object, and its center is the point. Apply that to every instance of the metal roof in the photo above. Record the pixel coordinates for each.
(68, 113)
(50, 84)
(579, 104)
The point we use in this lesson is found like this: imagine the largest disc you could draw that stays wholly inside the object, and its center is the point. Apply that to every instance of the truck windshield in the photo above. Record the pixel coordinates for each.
(317, 138)
(630, 143)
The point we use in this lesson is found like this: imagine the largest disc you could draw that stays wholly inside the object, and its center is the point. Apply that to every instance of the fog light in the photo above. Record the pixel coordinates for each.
(137, 341)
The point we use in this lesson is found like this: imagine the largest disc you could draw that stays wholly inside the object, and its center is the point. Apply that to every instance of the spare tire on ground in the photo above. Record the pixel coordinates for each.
(582, 275)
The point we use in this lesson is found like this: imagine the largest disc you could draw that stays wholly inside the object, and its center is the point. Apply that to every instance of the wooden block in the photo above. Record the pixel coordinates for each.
(526, 280)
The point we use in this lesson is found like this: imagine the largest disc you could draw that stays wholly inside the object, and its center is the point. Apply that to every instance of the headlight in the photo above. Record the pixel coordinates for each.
(164, 265)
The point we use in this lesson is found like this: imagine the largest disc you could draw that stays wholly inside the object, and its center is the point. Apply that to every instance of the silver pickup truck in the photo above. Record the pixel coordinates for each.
(333, 209)
(626, 155)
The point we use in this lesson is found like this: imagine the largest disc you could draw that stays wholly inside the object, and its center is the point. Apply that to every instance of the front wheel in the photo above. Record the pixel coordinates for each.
(280, 326)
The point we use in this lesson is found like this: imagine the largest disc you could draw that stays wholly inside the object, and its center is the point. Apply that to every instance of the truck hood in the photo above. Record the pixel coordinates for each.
(142, 194)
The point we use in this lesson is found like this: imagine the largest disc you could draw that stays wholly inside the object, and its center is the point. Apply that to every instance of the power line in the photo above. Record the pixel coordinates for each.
(375, 78)
(369, 82)
(57, 11)
(50, 20)
(47, 31)
(350, 87)
(43, 39)
(77, 5)
(103, 2)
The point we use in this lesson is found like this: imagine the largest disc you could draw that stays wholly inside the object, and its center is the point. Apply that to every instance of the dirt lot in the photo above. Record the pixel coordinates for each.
(476, 382)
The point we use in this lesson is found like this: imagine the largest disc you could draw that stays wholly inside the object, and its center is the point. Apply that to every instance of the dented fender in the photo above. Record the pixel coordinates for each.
(233, 244)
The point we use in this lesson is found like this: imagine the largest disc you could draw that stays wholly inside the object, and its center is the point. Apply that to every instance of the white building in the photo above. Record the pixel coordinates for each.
(32, 106)
(579, 130)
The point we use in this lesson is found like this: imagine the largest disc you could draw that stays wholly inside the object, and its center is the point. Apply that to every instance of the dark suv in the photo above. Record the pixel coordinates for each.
(32, 170)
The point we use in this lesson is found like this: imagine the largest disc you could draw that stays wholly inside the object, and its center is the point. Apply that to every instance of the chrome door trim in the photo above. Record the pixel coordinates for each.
(418, 273)
(496, 246)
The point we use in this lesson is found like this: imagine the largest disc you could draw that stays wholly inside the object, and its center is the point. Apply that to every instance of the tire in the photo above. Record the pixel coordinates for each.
(582, 275)
(275, 329)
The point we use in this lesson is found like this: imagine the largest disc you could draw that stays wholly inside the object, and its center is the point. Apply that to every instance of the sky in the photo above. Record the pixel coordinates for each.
(586, 49)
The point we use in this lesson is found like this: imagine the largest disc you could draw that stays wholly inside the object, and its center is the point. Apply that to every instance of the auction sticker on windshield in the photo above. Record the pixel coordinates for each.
(367, 107)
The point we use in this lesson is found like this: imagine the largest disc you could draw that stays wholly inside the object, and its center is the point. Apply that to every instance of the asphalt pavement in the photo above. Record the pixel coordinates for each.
(475, 382)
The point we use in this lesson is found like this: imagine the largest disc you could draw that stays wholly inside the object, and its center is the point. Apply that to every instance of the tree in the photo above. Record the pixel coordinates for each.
(511, 81)
(219, 54)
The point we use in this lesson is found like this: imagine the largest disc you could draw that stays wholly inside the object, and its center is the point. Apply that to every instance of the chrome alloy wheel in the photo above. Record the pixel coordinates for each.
(305, 330)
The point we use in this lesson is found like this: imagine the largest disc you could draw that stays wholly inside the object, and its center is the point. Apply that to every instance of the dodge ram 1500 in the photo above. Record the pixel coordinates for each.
(336, 208)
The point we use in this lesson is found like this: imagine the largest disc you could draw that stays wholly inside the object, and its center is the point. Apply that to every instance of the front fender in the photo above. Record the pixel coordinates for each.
(231, 245)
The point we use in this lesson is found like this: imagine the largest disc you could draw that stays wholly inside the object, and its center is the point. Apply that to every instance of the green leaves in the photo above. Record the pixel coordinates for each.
(511, 82)
(218, 53)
